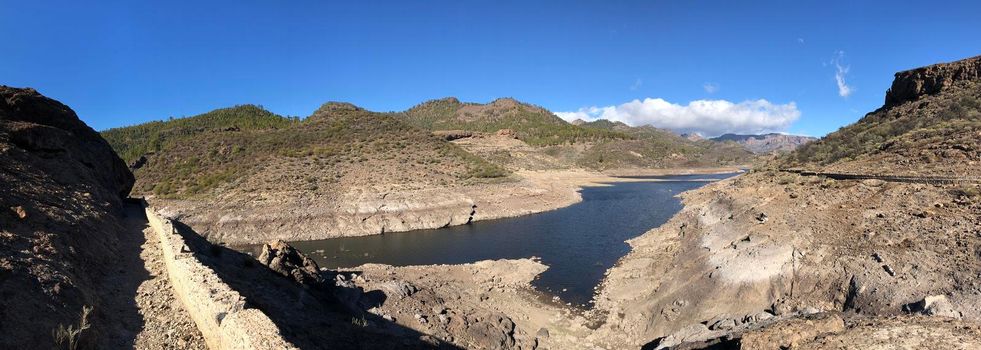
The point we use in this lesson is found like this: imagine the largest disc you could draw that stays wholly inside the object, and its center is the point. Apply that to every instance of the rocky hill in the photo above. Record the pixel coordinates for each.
(248, 150)
(767, 143)
(61, 187)
(774, 259)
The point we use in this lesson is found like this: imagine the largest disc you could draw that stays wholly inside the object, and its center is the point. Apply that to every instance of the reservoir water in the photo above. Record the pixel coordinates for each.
(578, 243)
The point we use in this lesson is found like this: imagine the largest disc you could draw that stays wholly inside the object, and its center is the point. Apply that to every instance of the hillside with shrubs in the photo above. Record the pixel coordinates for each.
(651, 147)
(532, 124)
(249, 149)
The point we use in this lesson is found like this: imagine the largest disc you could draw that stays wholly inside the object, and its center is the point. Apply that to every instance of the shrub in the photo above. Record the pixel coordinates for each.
(68, 337)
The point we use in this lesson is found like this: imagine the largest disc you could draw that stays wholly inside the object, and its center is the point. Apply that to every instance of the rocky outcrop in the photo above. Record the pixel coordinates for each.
(910, 85)
(61, 189)
(450, 135)
(49, 130)
(287, 261)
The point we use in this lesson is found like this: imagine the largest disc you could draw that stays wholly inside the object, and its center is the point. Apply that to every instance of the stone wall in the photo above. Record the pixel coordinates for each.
(217, 309)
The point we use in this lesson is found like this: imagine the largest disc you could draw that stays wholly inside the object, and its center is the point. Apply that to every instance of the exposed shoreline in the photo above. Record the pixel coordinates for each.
(675, 171)
(367, 212)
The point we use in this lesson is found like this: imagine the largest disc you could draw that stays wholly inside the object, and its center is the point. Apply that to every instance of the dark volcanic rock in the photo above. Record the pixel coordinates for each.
(912, 84)
(63, 186)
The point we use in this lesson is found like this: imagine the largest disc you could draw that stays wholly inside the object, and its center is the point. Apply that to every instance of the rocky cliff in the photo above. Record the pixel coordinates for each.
(61, 187)
(912, 84)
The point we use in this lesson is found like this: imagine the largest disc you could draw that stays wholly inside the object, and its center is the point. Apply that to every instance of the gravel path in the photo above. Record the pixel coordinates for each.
(145, 310)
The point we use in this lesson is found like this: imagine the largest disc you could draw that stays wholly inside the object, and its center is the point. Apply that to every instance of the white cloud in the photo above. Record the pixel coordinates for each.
(706, 117)
(840, 71)
(710, 87)
(800, 40)
(636, 85)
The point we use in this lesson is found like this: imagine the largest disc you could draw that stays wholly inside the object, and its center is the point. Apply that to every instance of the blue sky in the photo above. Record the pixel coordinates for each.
(125, 62)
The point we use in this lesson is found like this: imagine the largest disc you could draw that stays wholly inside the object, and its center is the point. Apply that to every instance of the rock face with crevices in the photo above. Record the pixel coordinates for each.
(61, 187)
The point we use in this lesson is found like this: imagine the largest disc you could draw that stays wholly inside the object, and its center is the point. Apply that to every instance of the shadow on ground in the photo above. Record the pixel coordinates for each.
(308, 318)
(119, 310)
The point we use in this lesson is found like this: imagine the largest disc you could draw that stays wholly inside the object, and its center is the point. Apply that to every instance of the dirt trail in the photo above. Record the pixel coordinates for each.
(145, 312)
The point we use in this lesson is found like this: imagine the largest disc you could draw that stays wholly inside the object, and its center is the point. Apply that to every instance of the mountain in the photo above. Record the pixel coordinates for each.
(767, 143)
(61, 191)
(246, 149)
(531, 124)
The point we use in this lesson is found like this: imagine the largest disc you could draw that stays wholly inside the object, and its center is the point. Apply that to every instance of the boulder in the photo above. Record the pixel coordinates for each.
(508, 133)
(542, 333)
(934, 305)
(493, 331)
(19, 211)
(792, 332)
(694, 333)
(289, 262)
(398, 288)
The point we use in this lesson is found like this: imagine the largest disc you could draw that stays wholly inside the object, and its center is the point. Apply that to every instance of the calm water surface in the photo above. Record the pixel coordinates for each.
(578, 243)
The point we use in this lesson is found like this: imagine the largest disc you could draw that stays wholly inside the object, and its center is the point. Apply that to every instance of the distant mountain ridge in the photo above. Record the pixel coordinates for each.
(767, 143)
